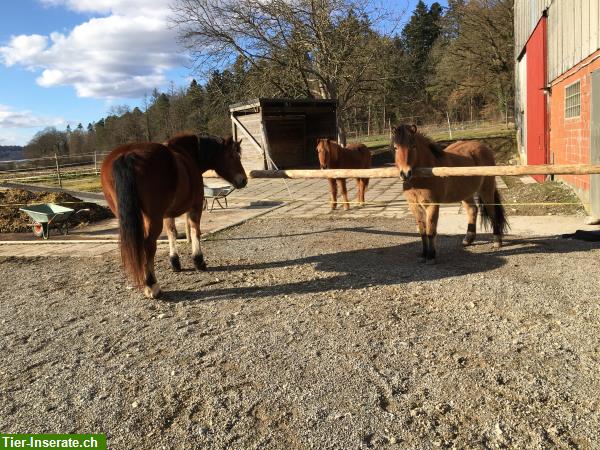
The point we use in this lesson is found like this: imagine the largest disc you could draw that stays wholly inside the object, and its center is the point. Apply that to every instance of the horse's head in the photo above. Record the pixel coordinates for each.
(324, 153)
(404, 142)
(228, 163)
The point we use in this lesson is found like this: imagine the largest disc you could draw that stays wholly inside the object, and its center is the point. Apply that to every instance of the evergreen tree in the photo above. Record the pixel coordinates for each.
(412, 62)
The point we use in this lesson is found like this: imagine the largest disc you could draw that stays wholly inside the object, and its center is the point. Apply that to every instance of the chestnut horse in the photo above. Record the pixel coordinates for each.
(147, 185)
(354, 156)
(424, 194)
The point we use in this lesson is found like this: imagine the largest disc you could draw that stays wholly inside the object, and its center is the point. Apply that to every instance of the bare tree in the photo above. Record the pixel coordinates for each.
(309, 48)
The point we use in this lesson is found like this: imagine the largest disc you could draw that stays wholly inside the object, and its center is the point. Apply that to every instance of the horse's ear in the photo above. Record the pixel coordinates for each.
(239, 142)
(413, 128)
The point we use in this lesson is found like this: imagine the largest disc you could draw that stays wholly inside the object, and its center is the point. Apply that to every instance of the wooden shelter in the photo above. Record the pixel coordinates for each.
(282, 133)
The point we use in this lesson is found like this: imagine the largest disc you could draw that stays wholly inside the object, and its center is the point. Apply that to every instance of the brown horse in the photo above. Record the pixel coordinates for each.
(149, 184)
(425, 193)
(354, 156)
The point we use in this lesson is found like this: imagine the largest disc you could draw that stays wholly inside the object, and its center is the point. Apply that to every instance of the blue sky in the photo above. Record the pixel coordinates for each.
(69, 61)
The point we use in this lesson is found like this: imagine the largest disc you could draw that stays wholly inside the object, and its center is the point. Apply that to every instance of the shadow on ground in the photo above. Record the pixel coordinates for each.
(371, 266)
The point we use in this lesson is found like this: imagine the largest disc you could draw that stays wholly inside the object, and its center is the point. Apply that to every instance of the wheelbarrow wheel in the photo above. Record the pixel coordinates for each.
(38, 230)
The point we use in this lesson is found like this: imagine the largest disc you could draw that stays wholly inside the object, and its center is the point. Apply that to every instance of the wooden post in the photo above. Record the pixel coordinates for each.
(58, 170)
(95, 162)
(449, 129)
(267, 148)
(473, 171)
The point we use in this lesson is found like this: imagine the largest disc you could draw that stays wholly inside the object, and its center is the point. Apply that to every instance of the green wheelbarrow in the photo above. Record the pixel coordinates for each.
(49, 214)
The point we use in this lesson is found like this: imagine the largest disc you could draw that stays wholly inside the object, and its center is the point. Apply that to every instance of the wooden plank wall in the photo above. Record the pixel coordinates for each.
(252, 158)
(286, 139)
(295, 150)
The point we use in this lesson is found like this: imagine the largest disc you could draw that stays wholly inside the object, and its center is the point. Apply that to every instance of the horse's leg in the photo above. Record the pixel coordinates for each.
(471, 209)
(360, 187)
(169, 225)
(432, 212)
(333, 191)
(197, 256)
(188, 233)
(342, 182)
(153, 230)
(419, 215)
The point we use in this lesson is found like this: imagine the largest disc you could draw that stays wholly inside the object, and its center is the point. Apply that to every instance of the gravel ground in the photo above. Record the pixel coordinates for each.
(311, 334)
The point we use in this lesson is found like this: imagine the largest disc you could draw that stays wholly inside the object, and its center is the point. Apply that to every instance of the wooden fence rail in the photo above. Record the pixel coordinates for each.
(392, 172)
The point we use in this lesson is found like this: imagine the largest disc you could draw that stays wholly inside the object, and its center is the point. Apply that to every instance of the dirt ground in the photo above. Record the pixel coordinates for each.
(311, 334)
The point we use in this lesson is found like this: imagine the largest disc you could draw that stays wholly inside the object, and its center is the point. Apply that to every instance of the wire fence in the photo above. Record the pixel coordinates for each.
(361, 130)
(55, 168)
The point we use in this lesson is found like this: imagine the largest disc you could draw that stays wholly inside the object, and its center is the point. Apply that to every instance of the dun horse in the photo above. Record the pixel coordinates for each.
(424, 194)
(147, 185)
(354, 156)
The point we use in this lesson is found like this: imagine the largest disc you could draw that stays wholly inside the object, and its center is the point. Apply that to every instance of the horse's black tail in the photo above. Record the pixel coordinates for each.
(499, 222)
(131, 224)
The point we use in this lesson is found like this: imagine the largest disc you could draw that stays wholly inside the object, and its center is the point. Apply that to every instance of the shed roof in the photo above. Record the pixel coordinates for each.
(262, 102)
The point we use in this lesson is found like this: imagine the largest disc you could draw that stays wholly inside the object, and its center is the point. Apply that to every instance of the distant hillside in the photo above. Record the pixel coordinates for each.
(10, 152)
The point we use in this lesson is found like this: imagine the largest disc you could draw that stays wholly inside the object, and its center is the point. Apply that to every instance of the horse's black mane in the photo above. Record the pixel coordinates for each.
(403, 133)
(208, 147)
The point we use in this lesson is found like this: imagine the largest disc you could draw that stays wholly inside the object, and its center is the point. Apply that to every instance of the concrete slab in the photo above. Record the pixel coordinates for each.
(527, 179)
(452, 223)
(500, 184)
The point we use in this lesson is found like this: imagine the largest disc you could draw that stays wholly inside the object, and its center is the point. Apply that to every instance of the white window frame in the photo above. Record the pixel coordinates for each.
(573, 110)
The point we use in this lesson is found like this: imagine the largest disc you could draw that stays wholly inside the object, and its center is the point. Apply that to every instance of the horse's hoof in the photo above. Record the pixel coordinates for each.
(152, 291)
(175, 263)
(199, 263)
(497, 244)
(468, 240)
(430, 262)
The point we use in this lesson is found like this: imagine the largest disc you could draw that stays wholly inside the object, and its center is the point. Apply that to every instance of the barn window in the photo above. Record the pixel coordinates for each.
(572, 101)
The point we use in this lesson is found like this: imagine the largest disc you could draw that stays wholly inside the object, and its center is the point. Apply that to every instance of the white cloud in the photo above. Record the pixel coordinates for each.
(112, 6)
(121, 55)
(9, 118)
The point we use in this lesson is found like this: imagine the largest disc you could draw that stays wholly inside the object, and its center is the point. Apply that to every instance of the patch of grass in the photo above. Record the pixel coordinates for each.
(84, 183)
(559, 198)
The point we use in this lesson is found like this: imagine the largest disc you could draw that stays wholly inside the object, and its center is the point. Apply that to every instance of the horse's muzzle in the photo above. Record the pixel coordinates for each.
(406, 176)
(241, 182)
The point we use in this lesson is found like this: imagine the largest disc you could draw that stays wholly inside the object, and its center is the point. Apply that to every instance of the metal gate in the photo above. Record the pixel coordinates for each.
(595, 144)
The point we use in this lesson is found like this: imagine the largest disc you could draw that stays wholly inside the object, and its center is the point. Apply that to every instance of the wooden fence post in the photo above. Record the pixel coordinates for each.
(58, 170)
